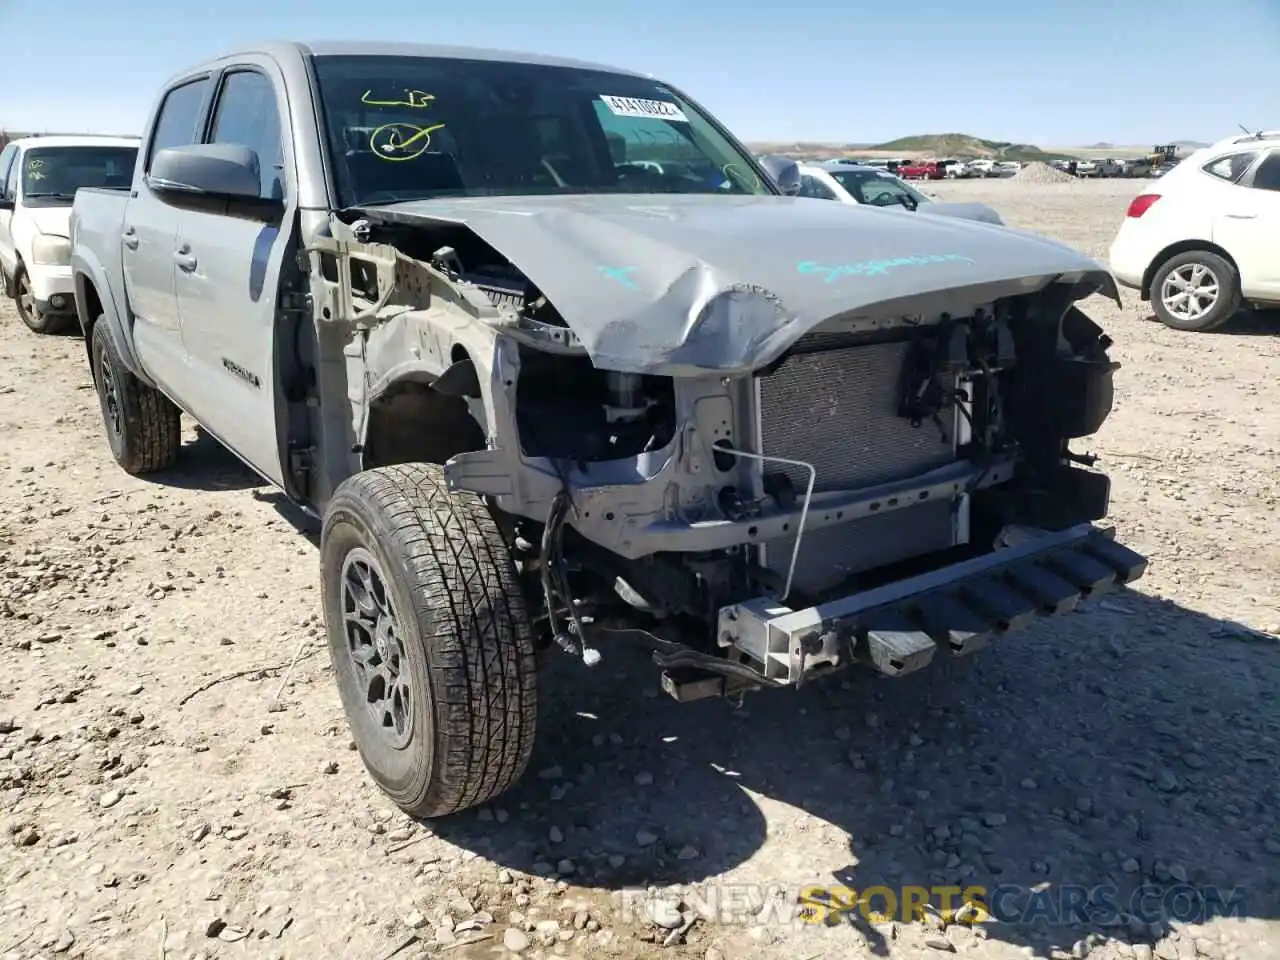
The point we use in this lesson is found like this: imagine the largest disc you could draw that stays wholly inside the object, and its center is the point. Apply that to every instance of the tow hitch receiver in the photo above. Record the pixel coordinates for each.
(898, 628)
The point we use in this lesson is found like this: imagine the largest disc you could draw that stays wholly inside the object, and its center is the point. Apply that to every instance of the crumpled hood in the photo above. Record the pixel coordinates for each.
(700, 283)
(52, 220)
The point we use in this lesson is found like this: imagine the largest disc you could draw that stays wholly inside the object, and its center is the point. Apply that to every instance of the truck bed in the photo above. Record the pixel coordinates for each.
(97, 220)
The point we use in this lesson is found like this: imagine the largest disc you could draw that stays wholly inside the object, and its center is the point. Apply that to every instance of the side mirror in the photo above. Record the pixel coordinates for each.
(785, 173)
(217, 170)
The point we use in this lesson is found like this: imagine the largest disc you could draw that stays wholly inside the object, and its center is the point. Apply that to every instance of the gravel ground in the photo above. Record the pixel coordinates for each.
(169, 788)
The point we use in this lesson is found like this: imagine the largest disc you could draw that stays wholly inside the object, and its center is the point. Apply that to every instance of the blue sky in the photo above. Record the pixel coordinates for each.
(1060, 72)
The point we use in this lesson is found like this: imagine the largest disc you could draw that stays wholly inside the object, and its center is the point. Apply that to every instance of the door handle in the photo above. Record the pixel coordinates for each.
(185, 259)
(130, 238)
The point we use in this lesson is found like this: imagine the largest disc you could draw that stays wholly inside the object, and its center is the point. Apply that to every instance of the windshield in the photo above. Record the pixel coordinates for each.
(876, 188)
(55, 173)
(405, 128)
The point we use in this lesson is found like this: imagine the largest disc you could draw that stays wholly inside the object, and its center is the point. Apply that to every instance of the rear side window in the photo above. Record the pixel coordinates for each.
(1231, 167)
(247, 115)
(180, 114)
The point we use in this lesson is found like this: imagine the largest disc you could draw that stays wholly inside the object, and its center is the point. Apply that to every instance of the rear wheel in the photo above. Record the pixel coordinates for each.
(25, 301)
(429, 637)
(143, 427)
(1196, 290)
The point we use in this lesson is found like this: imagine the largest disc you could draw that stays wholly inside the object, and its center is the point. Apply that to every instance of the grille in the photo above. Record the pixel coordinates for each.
(837, 410)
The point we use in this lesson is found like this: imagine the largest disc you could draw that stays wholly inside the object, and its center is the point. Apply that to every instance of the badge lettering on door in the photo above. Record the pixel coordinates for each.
(236, 370)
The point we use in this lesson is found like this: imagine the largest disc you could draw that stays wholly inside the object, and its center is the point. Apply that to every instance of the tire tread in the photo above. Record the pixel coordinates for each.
(153, 424)
(470, 609)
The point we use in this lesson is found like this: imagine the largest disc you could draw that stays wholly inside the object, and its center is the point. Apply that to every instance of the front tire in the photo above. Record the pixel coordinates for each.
(143, 427)
(429, 637)
(1195, 291)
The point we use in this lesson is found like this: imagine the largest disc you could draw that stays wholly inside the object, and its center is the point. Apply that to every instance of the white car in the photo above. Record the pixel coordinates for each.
(39, 177)
(1202, 239)
(856, 183)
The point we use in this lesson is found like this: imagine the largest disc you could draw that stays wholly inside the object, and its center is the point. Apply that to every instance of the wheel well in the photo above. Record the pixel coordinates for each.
(1182, 246)
(412, 423)
(11, 283)
(89, 308)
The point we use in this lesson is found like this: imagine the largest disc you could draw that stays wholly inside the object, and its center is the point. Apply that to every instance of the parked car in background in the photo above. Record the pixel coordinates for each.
(921, 170)
(853, 183)
(892, 166)
(982, 168)
(1135, 167)
(39, 177)
(1202, 239)
(1006, 168)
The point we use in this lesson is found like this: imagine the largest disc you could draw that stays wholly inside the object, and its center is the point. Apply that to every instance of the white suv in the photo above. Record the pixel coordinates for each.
(39, 177)
(1203, 239)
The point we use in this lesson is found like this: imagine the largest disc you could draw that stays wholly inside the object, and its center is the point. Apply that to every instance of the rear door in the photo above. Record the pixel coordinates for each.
(149, 239)
(1247, 226)
(230, 258)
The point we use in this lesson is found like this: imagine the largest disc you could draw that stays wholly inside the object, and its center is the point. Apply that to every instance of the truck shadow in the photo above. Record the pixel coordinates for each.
(206, 465)
(1134, 742)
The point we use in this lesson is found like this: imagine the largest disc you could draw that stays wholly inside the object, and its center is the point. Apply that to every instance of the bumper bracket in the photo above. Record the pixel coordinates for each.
(898, 628)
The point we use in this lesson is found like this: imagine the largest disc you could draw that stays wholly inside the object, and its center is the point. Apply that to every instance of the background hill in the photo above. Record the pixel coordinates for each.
(960, 145)
(965, 145)
(925, 145)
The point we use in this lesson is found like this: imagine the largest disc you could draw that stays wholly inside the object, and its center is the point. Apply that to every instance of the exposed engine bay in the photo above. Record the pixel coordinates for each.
(895, 480)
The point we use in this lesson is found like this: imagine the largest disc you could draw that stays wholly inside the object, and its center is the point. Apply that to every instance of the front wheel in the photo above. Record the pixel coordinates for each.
(430, 639)
(24, 299)
(1196, 291)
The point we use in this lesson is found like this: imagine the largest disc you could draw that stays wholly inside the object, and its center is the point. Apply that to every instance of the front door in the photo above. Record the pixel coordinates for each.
(8, 258)
(229, 264)
(1247, 226)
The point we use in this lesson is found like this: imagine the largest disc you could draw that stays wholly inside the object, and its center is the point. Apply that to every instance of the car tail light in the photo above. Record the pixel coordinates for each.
(1141, 204)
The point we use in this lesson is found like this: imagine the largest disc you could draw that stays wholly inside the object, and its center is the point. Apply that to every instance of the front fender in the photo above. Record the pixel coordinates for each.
(89, 271)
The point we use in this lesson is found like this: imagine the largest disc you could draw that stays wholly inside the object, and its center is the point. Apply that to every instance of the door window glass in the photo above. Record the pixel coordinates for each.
(247, 115)
(1267, 176)
(180, 115)
(6, 160)
(11, 181)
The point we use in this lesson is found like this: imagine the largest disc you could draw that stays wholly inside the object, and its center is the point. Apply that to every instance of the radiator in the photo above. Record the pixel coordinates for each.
(837, 410)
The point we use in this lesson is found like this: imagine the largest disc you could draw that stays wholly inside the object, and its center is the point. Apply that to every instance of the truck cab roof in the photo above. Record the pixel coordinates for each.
(287, 49)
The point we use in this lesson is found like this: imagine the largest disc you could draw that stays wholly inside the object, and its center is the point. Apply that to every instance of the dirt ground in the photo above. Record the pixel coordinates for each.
(170, 789)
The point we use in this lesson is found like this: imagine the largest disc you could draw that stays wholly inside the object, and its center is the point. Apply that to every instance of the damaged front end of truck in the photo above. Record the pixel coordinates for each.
(765, 445)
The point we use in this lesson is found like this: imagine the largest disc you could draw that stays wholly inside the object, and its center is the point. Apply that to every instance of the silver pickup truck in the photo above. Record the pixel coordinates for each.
(562, 366)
